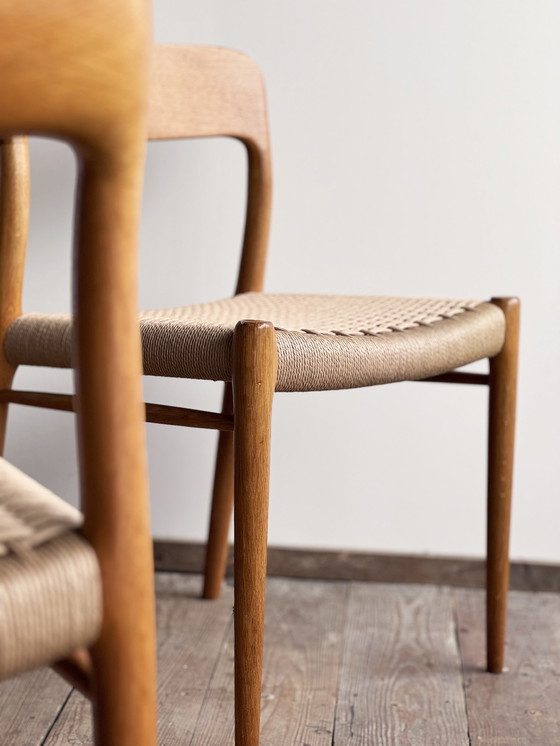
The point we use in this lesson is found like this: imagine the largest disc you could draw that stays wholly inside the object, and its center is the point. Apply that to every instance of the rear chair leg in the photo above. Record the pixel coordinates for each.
(503, 383)
(6, 377)
(222, 507)
(254, 380)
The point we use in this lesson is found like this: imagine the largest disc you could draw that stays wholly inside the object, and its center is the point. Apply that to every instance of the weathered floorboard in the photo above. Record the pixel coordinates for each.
(400, 681)
(521, 705)
(391, 648)
(29, 704)
(303, 640)
(190, 634)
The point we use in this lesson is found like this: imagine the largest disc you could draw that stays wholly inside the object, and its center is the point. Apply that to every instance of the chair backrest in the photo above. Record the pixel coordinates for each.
(211, 92)
(79, 71)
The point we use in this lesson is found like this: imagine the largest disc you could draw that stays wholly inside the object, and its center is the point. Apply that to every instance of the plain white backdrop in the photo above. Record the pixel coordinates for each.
(416, 148)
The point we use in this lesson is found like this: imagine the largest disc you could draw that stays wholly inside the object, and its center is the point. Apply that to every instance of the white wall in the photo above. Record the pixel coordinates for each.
(417, 151)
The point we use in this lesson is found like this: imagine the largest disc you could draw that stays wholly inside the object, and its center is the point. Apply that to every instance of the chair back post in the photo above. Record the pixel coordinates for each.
(14, 217)
(79, 72)
(257, 221)
(216, 92)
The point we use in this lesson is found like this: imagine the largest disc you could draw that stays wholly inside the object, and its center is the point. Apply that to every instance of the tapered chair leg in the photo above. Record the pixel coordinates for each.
(221, 510)
(111, 437)
(254, 379)
(503, 383)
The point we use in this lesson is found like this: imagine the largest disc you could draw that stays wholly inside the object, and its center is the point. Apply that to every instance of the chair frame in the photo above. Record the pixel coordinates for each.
(43, 94)
(229, 101)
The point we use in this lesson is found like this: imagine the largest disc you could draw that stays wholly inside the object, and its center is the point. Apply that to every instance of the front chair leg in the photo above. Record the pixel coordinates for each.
(503, 383)
(254, 380)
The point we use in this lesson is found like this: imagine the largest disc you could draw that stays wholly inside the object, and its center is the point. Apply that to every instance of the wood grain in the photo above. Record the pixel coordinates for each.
(29, 704)
(191, 634)
(501, 439)
(303, 653)
(519, 707)
(190, 637)
(303, 645)
(208, 92)
(255, 363)
(384, 646)
(221, 509)
(400, 682)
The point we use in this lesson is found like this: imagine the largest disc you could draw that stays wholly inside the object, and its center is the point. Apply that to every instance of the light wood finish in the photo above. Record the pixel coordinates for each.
(210, 92)
(519, 708)
(254, 379)
(221, 509)
(54, 54)
(162, 414)
(112, 449)
(501, 436)
(14, 218)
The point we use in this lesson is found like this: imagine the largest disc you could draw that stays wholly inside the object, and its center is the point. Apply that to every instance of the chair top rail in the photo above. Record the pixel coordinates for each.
(206, 92)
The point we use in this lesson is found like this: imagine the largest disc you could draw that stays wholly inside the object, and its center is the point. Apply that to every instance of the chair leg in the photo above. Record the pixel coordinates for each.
(6, 378)
(503, 383)
(254, 379)
(221, 510)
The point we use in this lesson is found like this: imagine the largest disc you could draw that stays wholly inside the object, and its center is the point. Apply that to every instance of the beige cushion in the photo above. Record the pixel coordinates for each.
(324, 342)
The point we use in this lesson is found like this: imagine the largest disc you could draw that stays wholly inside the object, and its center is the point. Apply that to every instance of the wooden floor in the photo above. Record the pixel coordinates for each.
(358, 664)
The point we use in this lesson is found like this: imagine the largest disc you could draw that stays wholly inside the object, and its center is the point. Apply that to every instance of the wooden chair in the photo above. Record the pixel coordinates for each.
(266, 343)
(79, 72)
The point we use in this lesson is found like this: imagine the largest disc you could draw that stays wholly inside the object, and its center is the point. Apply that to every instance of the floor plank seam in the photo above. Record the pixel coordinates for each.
(57, 718)
(458, 642)
(341, 658)
(225, 637)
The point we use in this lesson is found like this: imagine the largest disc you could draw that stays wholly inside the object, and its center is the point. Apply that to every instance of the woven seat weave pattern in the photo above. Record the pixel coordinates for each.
(50, 588)
(324, 341)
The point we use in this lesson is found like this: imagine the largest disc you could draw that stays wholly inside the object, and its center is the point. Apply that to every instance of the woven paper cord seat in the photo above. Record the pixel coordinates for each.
(324, 342)
(50, 590)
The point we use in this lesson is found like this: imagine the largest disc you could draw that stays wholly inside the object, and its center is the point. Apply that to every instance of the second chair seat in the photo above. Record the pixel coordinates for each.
(324, 341)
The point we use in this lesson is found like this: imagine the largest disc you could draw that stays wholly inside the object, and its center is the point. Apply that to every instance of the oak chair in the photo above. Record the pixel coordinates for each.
(82, 601)
(263, 343)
